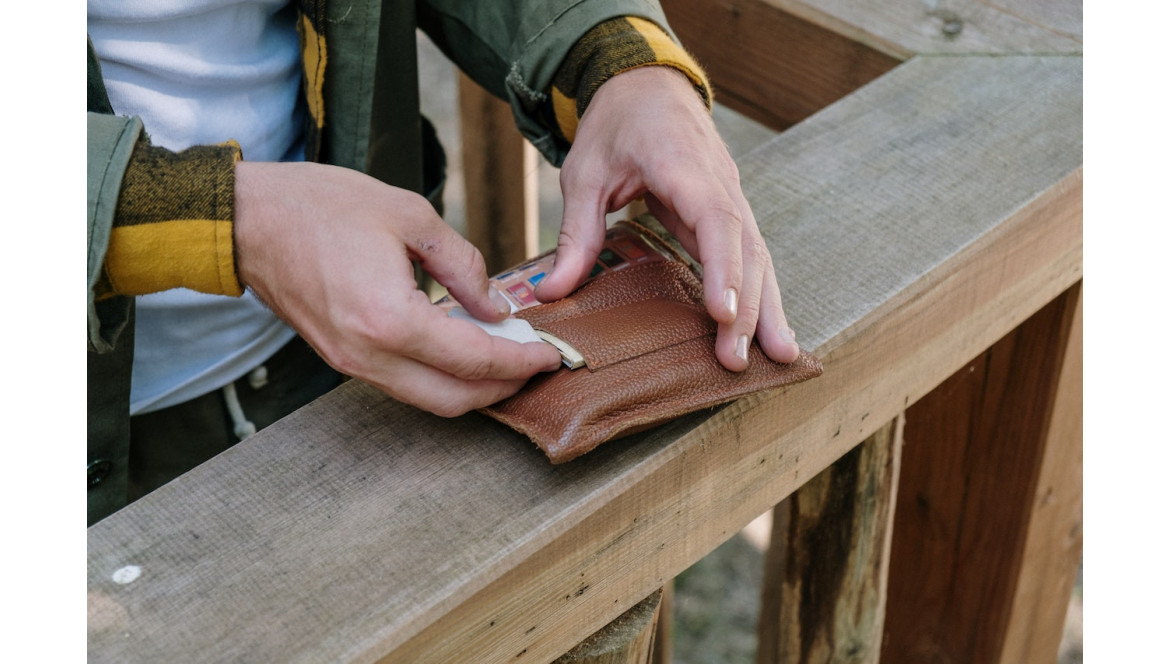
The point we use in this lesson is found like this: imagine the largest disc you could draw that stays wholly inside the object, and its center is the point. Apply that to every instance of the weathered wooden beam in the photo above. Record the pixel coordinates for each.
(500, 179)
(769, 64)
(780, 61)
(984, 551)
(824, 595)
(906, 28)
(912, 224)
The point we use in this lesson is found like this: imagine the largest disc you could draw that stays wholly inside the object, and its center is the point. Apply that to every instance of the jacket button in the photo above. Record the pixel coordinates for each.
(98, 470)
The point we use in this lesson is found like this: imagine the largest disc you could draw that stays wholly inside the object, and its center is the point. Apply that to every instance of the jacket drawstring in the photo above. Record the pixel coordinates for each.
(241, 425)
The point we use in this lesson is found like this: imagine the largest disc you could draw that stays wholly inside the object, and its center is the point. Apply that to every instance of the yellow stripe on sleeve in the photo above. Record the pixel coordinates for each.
(187, 253)
(313, 56)
(606, 50)
(667, 52)
(565, 110)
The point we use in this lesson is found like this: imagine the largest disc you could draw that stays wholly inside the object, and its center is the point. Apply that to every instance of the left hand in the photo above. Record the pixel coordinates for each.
(647, 133)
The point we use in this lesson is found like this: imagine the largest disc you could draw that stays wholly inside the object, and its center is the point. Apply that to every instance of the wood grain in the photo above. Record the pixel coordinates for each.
(1052, 546)
(629, 639)
(1059, 16)
(912, 224)
(825, 571)
(500, 179)
(771, 65)
(941, 144)
(905, 28)
(968, 505)
(663, 652)
(780, 61)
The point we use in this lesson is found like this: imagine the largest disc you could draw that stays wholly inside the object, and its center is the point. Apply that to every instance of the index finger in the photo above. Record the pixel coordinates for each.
(713, 218)
(455, 263)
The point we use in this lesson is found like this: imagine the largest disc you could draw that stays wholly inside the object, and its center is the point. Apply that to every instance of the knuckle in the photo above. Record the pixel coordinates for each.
(758, 251)
(343, 360)
(417, 206)
(730, 166)
(750, 312)
(575, 176)
(565, 238)
(428, 244)
(723, 216)
(671, 157)
(476, 368)
(373, 328)
(472, 260)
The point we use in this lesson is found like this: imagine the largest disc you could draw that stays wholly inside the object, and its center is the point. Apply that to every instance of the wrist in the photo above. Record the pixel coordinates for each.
(612, 48)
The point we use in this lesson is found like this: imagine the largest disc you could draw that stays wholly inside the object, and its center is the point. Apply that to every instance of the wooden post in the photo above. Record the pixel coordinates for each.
(499, 170)
(629, 639)
(1052, 546)
(663, 651)
(987, 537)
(824, 575)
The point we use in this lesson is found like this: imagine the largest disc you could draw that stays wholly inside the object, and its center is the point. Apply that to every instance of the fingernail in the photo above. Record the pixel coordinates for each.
(499, 301)
(731, 301)
(741, 347)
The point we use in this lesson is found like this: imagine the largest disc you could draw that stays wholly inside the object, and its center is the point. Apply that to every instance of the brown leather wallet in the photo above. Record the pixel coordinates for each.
(649, 350)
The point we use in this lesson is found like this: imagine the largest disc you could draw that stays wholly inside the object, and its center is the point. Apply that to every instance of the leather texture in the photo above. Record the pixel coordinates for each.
(649, 348)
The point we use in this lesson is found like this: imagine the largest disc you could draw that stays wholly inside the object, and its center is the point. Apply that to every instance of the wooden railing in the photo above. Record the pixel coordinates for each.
(924, 213)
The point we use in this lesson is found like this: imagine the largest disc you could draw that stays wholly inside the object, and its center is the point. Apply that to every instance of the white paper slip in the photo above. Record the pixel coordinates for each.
(570, 357)
(510, 328)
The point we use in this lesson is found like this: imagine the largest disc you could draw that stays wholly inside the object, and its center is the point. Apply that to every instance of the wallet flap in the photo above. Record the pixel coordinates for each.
(665, 280)
(628, 313)
(608, 336)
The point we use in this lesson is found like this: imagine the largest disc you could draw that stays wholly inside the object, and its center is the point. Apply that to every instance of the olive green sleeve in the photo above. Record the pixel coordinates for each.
(610, 48)
(157, 220)
(110, 141)
(514, 49)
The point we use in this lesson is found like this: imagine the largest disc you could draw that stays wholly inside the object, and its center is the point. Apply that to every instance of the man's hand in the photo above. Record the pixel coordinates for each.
(647, 133)
(330, 249)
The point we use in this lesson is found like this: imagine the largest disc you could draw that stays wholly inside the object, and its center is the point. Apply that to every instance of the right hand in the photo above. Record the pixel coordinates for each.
(329, 250)
(647, 133)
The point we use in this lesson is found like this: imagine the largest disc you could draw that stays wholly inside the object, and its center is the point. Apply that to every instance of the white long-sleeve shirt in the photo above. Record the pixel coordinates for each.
(202, 72)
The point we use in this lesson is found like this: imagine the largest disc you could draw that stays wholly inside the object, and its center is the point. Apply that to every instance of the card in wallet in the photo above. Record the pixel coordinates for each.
(648, 346)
